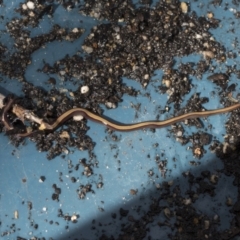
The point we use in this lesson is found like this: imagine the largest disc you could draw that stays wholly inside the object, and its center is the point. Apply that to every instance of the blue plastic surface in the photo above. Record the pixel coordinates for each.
(132, 149)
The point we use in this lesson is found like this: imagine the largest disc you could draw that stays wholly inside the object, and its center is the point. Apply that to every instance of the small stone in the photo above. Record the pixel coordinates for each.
(84, 89)
(184, 7)
(205, 139)
(215, 218)
(187, 201)
(197, 152)
(62, 73)
(66, 151)
(145, 84)
(231, 139)
(133, 191)
(16, 215)
(109, 81)
(207, 54)
(198, 36)
(110, 105)
(24, 6)
(196, 221)
(206, 224)
(167, 212)
(75, 30)
(78, 118)
(179, 133)
(146, 76)
(229, 202)
(30, 5)
(167, 83)
(42, 179)
(214, 179)
(31, 14)
(74, 218)
(64, 134)
(210, 15)
(87, 49)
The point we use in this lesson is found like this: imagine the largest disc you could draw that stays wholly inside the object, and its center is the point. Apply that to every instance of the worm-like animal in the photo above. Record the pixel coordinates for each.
(127, 127)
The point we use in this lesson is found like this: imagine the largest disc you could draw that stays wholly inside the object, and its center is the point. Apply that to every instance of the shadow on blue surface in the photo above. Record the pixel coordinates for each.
(164, 212)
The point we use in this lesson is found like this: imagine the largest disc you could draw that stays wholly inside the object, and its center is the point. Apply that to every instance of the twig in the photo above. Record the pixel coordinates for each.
(22, 113)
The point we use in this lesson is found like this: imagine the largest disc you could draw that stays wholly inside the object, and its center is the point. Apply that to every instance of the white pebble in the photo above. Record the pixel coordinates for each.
(210, 15)
(73, 218)
(30, 5)
(62, 73)
(198, 36)
(146, 76)
(179, 133)
(75, 30)
(24, 6)
(31, 14)
(87, 49)
(191, 24)
(207, 54)
(96, 15)
(16, 215)
(44, 209)
(167, 82)
(78, 117)
(84, 89)
(110, 105)
(66, 151)
(64, 134)
(184, 7)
